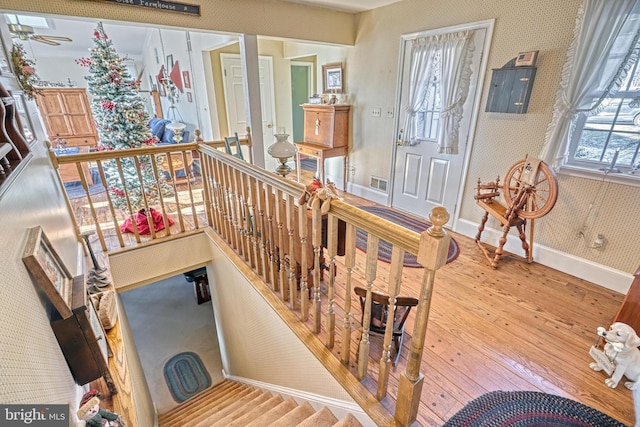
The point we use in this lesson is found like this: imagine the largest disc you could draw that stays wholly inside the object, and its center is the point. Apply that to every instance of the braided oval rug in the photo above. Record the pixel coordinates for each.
(528, 408)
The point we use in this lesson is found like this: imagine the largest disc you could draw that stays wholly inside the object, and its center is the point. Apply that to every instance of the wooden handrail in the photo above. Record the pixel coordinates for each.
(256, 213)
(290, 247)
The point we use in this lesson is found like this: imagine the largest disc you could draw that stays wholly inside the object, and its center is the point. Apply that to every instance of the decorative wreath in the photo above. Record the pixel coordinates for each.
(24, 70)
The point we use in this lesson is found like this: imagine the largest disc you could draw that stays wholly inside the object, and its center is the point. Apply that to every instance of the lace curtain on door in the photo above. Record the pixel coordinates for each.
(448, 58)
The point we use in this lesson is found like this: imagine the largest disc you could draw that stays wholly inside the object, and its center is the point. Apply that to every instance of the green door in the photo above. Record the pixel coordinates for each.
(299, 95)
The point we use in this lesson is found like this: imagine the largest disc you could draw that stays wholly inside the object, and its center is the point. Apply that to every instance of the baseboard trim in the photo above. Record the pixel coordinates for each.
(317, 401)
(368, 193)
(607, 277)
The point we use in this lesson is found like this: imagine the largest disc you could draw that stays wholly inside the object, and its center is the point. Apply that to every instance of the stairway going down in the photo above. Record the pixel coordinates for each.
(233, 404)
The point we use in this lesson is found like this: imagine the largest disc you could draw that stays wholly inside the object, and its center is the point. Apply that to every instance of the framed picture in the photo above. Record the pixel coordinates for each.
(48, 270)
(186, 79)
(332, 78)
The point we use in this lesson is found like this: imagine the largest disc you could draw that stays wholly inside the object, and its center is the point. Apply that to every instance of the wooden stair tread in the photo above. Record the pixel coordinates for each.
(322, 418)
(274, 413)
(257, 411)
(294, 417)
(348, 421)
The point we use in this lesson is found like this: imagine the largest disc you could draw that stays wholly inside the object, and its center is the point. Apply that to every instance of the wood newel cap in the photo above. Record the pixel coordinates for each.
(434, 242)
(439, 217)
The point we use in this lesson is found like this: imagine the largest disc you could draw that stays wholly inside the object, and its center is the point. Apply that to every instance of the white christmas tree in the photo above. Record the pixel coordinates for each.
(121, 120)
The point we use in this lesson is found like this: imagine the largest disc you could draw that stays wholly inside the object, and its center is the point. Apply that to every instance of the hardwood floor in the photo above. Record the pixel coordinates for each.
(520, 327)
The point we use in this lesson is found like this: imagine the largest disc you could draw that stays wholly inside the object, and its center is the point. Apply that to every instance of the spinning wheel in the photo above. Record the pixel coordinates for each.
(540, 189)
(530, 191)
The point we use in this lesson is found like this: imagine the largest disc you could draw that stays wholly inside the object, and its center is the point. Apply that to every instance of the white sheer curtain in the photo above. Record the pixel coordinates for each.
(423, 56)
(448, 55)
(457, 53)
(592, 70)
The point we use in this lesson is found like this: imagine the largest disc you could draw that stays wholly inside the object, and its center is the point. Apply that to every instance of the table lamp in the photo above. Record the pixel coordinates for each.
(282, 150)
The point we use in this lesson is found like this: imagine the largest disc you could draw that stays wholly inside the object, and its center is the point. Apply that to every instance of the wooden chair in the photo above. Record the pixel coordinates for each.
(232, 144)
(380, 314)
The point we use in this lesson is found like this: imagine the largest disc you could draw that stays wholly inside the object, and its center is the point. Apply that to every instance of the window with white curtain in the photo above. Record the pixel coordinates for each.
(596, 116)
(614, 129)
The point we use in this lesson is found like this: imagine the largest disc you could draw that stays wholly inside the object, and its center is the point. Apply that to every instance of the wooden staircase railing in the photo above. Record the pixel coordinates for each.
(257, 214)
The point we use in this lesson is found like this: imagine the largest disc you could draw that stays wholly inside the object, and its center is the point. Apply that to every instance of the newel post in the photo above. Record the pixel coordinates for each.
(432, 254)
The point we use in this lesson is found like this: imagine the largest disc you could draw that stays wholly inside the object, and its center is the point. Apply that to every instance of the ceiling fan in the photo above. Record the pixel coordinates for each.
(25, 32)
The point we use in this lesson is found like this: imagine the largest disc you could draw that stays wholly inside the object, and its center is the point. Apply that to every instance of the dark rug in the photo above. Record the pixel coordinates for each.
(309, 164)
(186, 376)
(74, 189)
(384, 249)
(528, 408)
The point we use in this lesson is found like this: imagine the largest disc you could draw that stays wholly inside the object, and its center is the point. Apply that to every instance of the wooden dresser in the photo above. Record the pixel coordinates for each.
(326, 135)
(67, 115)
(629, 311)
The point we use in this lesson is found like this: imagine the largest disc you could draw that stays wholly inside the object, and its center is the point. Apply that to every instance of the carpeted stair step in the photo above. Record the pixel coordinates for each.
(176, 415)
(212, 393)
(211, 417)
(257, 411)
(239, 412)
(348, 421)
(322, 418)
(292, 418)
(207, 408)
(273, 414)
(194, 408)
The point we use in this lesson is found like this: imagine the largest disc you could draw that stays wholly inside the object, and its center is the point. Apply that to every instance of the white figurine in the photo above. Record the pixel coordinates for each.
(622, 359)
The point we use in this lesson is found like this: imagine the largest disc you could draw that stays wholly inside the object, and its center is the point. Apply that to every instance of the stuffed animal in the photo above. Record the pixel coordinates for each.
(95, 416)
(316, 191)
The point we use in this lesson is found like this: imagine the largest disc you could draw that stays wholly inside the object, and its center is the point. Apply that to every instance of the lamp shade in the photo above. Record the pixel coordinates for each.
(282, 148)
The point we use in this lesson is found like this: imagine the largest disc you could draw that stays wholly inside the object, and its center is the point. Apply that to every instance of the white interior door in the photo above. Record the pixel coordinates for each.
(424, 178)
(234, 95)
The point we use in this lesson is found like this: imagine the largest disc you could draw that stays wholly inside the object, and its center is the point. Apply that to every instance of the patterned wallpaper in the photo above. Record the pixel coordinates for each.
(500, 139)
(32, 367)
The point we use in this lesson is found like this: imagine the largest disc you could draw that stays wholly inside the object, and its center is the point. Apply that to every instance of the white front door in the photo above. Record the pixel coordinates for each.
(234, 95)
(424, 178)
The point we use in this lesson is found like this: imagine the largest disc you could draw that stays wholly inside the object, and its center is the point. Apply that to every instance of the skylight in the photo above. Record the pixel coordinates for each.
(32, 21)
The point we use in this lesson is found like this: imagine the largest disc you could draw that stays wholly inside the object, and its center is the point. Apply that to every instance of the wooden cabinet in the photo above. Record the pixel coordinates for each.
(326, 125)
(66, 114)
(83, 340)
(629, 311)
(510, 89)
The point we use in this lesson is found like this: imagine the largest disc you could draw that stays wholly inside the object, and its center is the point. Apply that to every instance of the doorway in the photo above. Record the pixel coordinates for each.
(166, 319)
(234, 94)
(423, 178)
(301, 90)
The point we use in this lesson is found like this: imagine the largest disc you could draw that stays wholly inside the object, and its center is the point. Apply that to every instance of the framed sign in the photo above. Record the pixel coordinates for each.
(186, 79)
(332, 78)
(48, 270)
